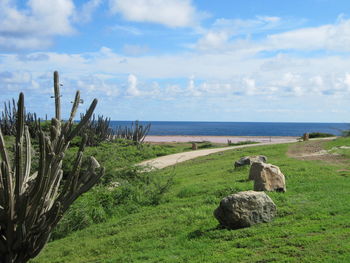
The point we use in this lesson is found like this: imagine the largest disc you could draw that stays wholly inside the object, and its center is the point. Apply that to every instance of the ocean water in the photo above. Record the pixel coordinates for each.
(238, 128)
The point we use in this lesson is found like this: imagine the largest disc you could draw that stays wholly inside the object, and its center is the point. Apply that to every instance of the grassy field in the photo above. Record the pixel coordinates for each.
(312, 225)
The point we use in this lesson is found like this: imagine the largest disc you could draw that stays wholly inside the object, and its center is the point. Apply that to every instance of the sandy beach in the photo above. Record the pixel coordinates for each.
(219, 139)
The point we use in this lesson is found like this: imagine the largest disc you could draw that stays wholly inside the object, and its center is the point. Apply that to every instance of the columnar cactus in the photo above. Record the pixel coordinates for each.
(136, 133)
(32, 202)
(8, 120)
(56, 86)
(98, 130)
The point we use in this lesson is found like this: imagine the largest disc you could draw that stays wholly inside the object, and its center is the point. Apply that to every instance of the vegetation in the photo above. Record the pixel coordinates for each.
(134, 190)
(32, 203)
(8, 120)
(311, 226)
(320, 135)
(229, 143)
(98, 130)
(136, 133)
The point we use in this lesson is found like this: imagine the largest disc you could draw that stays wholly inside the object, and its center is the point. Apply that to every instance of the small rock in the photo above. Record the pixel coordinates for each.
(306, 137)
(245, 209)
(113, 185)
(194, 146)
(248, 160)
(267, 177)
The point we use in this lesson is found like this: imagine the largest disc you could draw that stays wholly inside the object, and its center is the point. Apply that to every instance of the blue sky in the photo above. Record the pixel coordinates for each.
(181, 60)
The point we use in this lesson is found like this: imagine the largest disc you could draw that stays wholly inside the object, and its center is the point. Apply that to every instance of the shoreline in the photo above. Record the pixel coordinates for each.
(217, 139)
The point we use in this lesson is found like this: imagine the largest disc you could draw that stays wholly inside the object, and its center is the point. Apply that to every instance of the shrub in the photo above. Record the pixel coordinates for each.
(320, 135)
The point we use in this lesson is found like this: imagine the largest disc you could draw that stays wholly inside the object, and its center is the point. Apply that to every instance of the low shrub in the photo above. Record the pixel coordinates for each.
(122, 193)
(229, 143)
(320, 135)
(205, 145)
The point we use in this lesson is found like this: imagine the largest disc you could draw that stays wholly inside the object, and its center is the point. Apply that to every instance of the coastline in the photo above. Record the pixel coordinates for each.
(217, 139)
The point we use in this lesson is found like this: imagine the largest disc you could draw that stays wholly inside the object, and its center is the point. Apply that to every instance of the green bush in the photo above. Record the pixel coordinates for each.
(93, 207)
(346, 133)
(229, 143)
(102, 202)
(320, 135)
(205, 145)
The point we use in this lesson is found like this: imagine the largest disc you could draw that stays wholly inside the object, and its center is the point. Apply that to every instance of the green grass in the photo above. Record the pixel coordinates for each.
(242, 143)
(320, 135)
(176, 147)
(333, 146)
(312, 224)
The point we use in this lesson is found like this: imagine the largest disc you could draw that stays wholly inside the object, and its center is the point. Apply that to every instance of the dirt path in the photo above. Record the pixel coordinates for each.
(314, 150)
(168, 160)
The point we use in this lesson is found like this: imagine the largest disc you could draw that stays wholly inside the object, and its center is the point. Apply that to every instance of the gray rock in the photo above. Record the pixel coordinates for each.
(245, 209)
(249, 160)
(267, 177)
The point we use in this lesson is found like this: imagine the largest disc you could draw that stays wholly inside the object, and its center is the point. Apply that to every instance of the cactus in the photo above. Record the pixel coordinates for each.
(98, 130)
(8, 120)
(136, 133)
(56, 86)
(31, 204)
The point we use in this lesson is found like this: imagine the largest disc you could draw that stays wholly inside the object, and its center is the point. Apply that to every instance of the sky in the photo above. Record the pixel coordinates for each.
(181, 60)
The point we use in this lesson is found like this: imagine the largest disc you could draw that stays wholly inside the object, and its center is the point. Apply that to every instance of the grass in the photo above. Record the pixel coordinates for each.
(242, 143)
(333, 146)
(176, 147)
(312, 224)
(320, 135)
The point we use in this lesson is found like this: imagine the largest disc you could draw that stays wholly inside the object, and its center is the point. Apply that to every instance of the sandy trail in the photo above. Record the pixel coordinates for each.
(217, 139)
(169, 160)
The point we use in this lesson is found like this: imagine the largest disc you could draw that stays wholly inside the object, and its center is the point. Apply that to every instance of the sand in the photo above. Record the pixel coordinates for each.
(219, 139)
(173, 159)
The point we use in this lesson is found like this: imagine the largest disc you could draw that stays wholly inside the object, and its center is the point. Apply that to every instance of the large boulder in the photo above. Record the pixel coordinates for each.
(249, 160)
(245, 209)
(267, 177)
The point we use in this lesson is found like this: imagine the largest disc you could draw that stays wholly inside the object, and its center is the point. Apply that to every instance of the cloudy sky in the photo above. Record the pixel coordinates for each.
(193, 60)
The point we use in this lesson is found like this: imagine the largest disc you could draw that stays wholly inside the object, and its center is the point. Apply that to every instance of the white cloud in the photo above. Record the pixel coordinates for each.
(223, 30)
(334, 37)
(96, 85)
(213, 40)
(128, 29)
(233, 34)
(250, 87)
(85, 13)
(171, 13)
(347, 79)
(132, 89)
(192, 89)
(135, 50)
(34, 26)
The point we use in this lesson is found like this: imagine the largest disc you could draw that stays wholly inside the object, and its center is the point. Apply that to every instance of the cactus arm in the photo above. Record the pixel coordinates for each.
(57, 95)
(84, 121)
(31, 205)
(28, 160)
(3, 151)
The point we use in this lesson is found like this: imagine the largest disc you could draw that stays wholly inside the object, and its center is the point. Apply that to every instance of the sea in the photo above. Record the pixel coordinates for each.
(238, 128)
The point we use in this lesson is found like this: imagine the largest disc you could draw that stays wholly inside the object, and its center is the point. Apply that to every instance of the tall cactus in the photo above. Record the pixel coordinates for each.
(98, 130)
(56, 86)
(137, 133)
(8, 120)
(32, 203)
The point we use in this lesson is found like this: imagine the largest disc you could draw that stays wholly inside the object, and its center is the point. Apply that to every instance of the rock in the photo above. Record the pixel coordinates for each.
(305, 137)
(194, 146)
(267, 177)
(248, 160)
(245, 209)
(113, 185)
